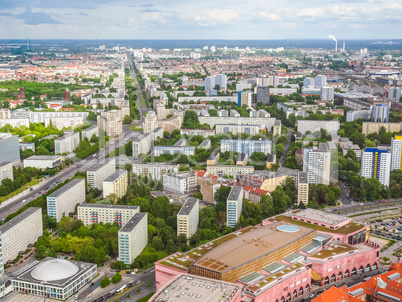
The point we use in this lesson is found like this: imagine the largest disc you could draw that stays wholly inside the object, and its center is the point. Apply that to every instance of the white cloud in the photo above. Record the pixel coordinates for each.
(212, 17)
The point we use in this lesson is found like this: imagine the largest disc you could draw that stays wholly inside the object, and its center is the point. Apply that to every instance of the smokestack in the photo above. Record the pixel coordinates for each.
(336, 42)
(336, 46)
(343, 45)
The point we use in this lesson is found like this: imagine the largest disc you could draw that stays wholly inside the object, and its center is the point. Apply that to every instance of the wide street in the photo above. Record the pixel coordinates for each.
(138, 90)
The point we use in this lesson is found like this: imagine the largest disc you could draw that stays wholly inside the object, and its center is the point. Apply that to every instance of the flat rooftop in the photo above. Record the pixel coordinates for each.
(303, 178)
(322, 216)
(188, 206)
(189, 288)
(115, 175)
(107, 206)
(249, 246)
(235, 192)
(132, 223)
(67, 187)
(97, 166)
(43, 157)
(333, 249)
(17, 219)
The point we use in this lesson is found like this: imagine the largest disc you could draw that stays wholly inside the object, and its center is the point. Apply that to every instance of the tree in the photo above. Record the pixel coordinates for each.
(105, 282)
(221, 195)
(116, 278)
(91, 116)
(127, 120)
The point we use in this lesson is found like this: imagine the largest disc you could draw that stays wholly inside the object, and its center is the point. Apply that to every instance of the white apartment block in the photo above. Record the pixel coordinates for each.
(182, 183)
(208, 99)
(317, 164)
(150, 122)
(376, 164)
(186, 150)
(9, 148)
(111, 122)
(40, 117)
(327, 93)
(313, 125)
(214, 120)
(237, 129)
(14, 122)
(105, 213)
(155, 170)
(116, 184)
(195, 132)
(133, 238)
(188, 218)
(43, 161)
(6, 171)
(2, 285)
(244, 146)
(302, 188)
(234, 206)
(89, 132)
(234, 171)
(64, 122)
(142, 144)
(63, 201)
(396, 153)
(20, 232)
(99, 172)
(67, 143)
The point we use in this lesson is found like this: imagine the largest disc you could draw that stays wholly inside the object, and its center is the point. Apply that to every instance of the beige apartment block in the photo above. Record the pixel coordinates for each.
(188, 218)
(90, 213)
(116, 184)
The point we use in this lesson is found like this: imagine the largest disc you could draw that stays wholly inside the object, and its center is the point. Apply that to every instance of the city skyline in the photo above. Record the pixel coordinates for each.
(111, 19)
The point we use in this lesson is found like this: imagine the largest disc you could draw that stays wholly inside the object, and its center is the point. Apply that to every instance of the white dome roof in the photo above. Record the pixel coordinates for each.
(54, 269)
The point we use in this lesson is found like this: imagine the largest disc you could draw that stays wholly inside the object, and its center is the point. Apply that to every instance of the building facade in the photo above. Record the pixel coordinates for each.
(116, 183)
(99, 172)
(133, 238)
(9, 149)
(111, 122)
(150, 122)
(234, 171)
(234, 205)
(396, 153)
(302, 188)
(89, 132)
(317, 164)
(6, 171)
(20, 232)
(237, 129)
(372, 127)
(380, 113)
(246, 146)
(67, 143)
(376, 164)
(182, 183)
(188, 218)
(316, 125)
(43, 161)
(104, 213)
(263, 95)
(186, 150)
(63, 201)
(2, 281)
(327, 94)
(155, 170)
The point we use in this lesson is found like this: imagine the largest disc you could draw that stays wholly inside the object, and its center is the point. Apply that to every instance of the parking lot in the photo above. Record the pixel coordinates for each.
(389, 228)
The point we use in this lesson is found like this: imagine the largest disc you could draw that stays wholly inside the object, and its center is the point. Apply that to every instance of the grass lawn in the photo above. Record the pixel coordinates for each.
(142, 100)
(147, 251)
(23, 188)
(146, 298)
(136, 128)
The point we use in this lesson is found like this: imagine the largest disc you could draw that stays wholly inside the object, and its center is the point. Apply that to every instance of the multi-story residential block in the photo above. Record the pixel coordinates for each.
(142, 144)
(155, 170)
(316, 125)
(111, 122)
(6, 171)
(5, 113)
(89, 132)
(302, 188)
(317, 164)
(327, 94)
(14, 122)
(232, 99)
(133, 238)
(90, 213)
(63, 201)
(237, 129)
(320, 81)
(222, 81)
(246, 146)
(9, 148)
(244, 98)
(42, 117)
(186, 150)
(194, 132)
(308, 82)
(234, 171)
(396, 153)
(395, 93)
(43, 161)
(213, 158)
(376, 164)
(27, 146)
(214, 120)
(67, 143)
(242, 86)
(2, 281)
(277, 128)
(234, 205)
(208, 188)
(20, 232)
(357, 114)
(206, 144)
(150, 122)
(64, 122)
(354, 147)
(188, 218)
(99, 172)
(373, 127)
(380, 113)
(209, 83)
(182, 183)
(282, 91)
(253, 194)
(116, 184)
(267, 180)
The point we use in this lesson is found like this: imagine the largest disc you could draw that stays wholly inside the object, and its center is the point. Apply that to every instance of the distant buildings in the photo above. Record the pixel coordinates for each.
(380, 113)
(376, 164)
(194, 132)
(63, 201)
(90, 213)
(111, 122)
(358, 114)
(394, 94)
(234, 206)
(237, 129)
(246, 146)
(396, 153)
(320, 81)
(43, 161)
(116, 183)
(133, 238)
(212, 81)
(317, 164)
(20, 232)
(188, 218)
(244, 98)
(316, 125)
(267, 122)
(9, 149)
(99, 172)
(327, 94)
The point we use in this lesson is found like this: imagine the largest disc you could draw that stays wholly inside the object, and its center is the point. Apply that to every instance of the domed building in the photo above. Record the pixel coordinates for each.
(53, 278)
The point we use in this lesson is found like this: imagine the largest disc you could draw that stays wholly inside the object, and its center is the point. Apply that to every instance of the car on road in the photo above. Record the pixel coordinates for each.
(383, 201)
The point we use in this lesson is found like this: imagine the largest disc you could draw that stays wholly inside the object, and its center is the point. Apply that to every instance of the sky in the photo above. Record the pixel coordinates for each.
(205, 19)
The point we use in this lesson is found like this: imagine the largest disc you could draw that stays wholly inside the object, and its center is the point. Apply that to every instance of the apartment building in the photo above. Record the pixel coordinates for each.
(116, 184)
(234, 171)
(244, 98)
(237, 129)
(133, 238)
(188, 218)
(43, 161)
(64, 122)
(327, 94)
(142, 144)
(111, 122)
(302, 188)
(89, 132)
(2, 281)
(150, 121)
(208, 189)
(244, 146)
(317, 164)
(396, 153)
(186, 150)
(42, 117)
(267, 180)
(67, 143)
(99, 172)
(376, 164)
(6, 171)
(268, 123)
(213, 158)
(380, 113)
(155, 170)
(182, 183)
(64, 200)
(9, 148)
(20, 232)
(263, 95)
(195, 132)
(106, 213)
(316, 125)
(234, 206)
(374, 127)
